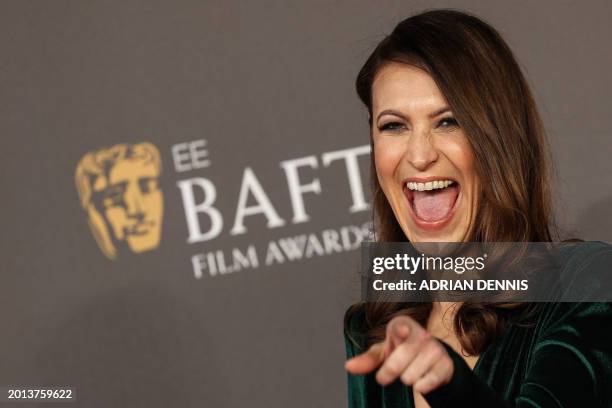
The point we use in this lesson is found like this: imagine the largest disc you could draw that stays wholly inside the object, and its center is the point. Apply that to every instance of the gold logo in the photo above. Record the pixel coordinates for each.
(118, 188)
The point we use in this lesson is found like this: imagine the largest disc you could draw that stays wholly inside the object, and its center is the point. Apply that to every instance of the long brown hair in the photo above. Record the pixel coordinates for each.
(483, 84)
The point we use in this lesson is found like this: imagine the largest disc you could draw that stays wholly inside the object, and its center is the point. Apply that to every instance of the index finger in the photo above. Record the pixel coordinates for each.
(398, 331)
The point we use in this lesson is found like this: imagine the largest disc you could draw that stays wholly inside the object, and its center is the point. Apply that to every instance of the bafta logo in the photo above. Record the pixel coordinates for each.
(118, 188)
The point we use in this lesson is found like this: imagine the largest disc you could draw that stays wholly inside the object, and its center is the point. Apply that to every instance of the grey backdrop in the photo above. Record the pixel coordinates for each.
(262, 82)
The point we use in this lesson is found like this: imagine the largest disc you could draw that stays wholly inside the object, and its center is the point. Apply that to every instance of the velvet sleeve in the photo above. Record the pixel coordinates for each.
(570, 365)
(361, 392)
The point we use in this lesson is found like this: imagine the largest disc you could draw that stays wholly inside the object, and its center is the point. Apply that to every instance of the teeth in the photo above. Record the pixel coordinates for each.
(430, 185)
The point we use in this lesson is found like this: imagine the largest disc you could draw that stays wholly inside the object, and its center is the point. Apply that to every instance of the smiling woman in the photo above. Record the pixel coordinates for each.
(424, 162)
(459, 154)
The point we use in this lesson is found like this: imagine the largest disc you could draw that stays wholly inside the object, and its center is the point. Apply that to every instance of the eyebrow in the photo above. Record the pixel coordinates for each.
(394, 112)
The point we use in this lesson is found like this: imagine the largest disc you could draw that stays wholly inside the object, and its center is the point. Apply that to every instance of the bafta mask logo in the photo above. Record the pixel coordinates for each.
(119, 191)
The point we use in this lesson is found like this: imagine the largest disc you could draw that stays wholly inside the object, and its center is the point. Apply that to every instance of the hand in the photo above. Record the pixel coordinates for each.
(409, 352)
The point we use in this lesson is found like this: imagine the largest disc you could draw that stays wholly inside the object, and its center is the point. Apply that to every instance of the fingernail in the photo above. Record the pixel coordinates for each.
(403, 330)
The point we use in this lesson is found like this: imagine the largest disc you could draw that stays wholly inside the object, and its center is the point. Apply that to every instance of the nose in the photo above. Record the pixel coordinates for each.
(133, 203)
(420, 151)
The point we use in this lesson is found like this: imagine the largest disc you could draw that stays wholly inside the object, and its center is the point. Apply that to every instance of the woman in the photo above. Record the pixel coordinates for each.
(459, 155)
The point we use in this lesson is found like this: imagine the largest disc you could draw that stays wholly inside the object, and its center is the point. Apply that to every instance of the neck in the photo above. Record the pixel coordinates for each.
(441, 318)
(442, 308)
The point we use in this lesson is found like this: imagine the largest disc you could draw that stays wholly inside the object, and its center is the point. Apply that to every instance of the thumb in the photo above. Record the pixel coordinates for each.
(366, 362)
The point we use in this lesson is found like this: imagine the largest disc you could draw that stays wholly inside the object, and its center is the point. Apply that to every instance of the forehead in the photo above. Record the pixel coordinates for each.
(406, 88)
(131, 169)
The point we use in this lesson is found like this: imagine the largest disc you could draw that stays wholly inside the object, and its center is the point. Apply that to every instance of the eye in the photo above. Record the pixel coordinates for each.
(391, 126)
(114, 199)
(147, 184)
(448, 123)
(113, 196)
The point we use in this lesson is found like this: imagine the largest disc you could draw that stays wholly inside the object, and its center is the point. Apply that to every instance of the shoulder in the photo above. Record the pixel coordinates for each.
(575, 342)
(577, 325)
(585, 255)
(585, 273)
(557, 313)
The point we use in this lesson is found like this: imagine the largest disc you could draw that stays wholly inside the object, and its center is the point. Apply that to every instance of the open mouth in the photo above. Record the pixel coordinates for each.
(432, 202)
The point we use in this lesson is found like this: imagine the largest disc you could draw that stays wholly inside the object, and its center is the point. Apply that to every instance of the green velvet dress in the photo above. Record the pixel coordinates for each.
(564, 360)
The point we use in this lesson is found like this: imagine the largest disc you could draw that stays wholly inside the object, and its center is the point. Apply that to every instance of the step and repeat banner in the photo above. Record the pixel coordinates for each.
(186, 187)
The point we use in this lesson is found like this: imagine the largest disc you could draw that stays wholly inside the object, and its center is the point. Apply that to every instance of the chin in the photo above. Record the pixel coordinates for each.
(434, 237)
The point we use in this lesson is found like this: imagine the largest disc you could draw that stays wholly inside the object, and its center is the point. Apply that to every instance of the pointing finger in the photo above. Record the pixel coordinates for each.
(398, 331)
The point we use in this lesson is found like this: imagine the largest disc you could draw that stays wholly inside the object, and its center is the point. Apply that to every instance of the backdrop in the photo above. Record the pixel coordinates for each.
(184, 186)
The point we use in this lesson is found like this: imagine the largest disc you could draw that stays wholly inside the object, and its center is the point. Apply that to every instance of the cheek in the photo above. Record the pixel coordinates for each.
(465, 159)
(116, 216)
(459, 152)
(153, 204)
(387, 155)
